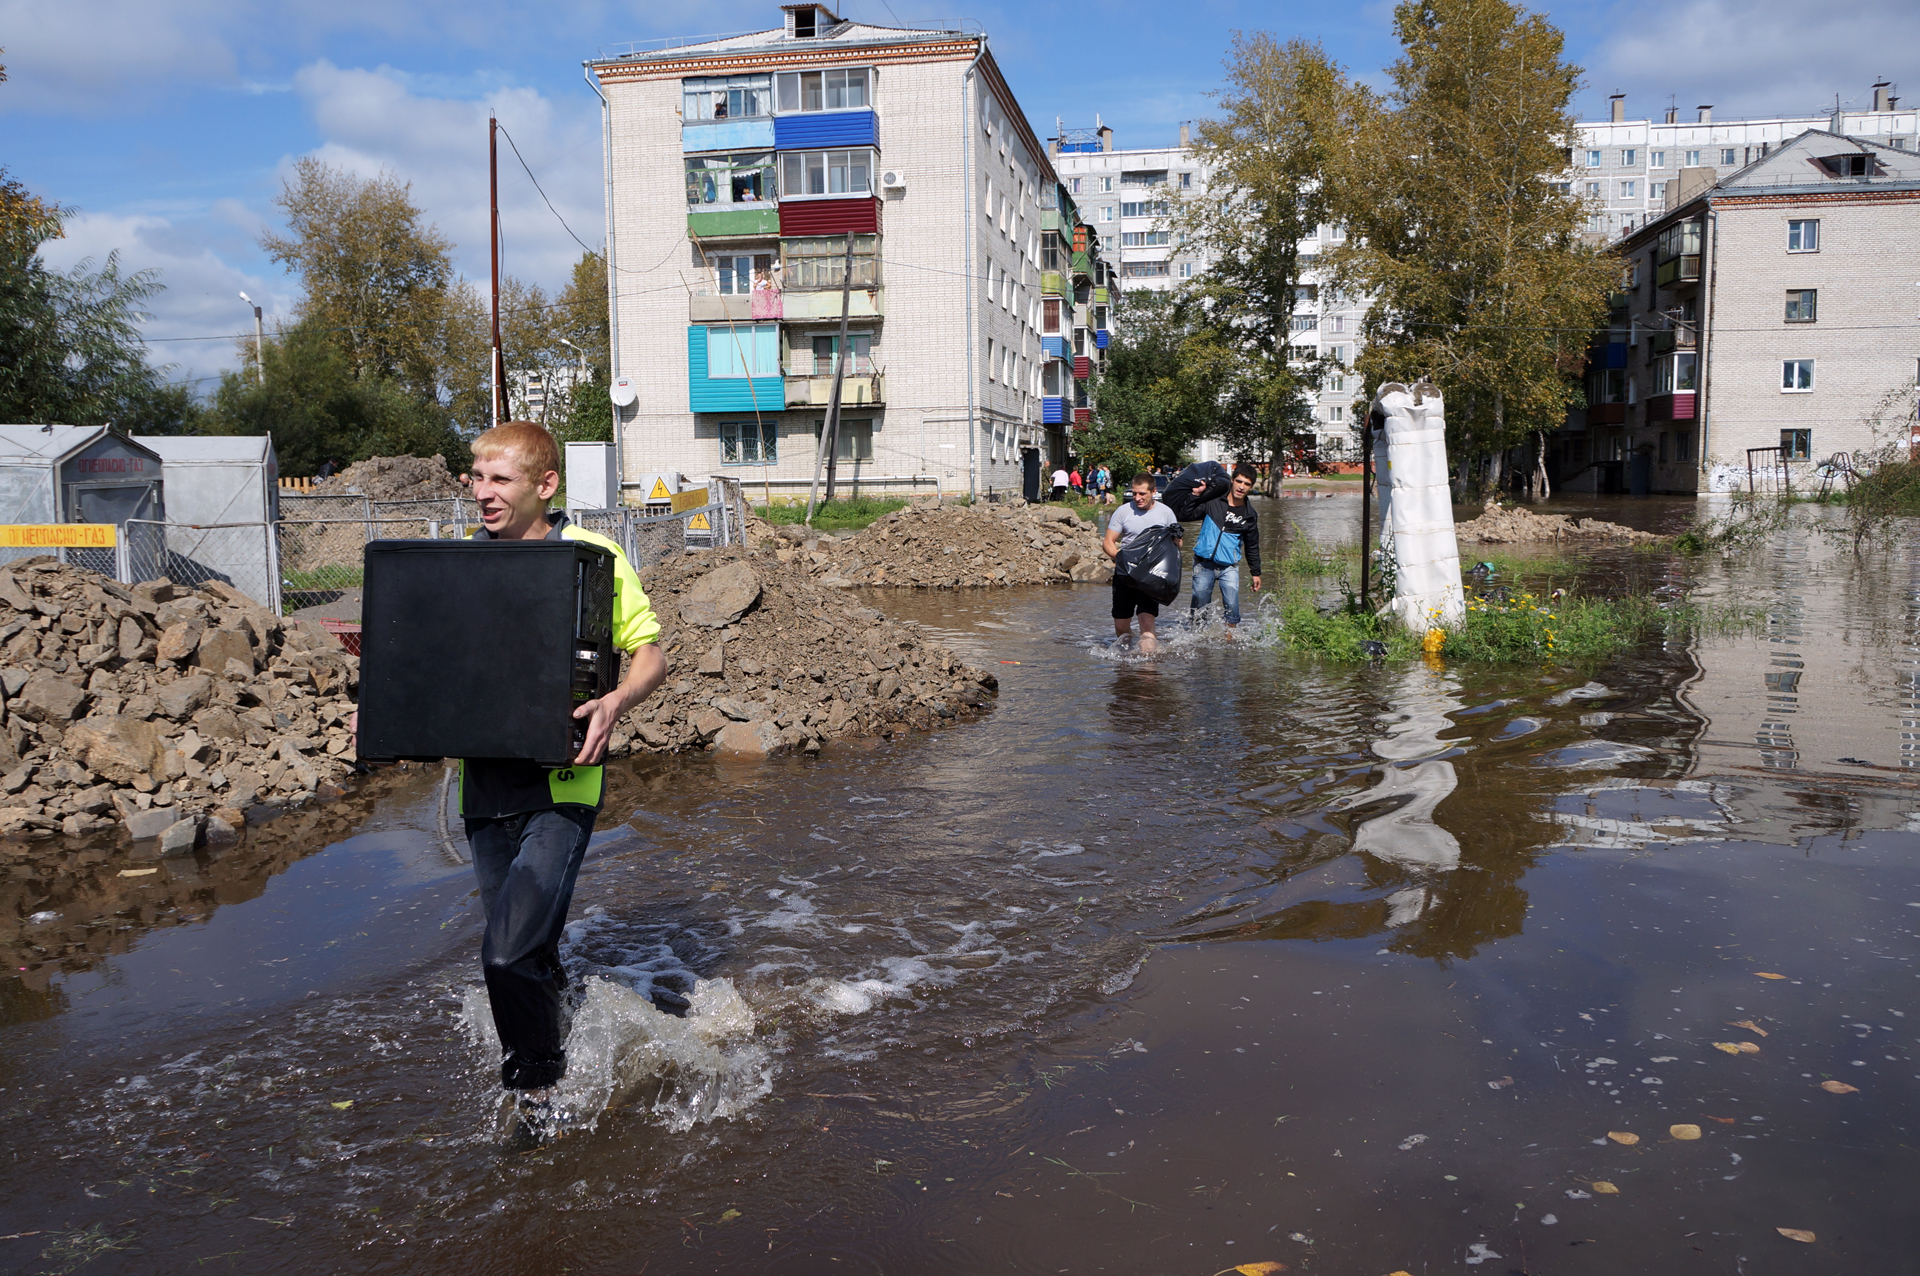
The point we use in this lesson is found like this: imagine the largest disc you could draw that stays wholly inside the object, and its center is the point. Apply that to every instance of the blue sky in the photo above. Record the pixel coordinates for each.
(170, 124)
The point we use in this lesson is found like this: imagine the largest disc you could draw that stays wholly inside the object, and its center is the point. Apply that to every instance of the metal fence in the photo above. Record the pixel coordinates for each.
(1768, 473)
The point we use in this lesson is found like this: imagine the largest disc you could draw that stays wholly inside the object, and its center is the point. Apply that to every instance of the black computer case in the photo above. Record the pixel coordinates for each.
(483, 649)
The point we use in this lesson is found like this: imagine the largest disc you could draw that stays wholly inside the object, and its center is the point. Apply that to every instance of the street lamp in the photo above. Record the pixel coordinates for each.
(259, 340)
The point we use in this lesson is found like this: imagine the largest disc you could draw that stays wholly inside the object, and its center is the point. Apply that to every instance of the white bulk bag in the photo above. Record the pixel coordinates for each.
(1416, 507)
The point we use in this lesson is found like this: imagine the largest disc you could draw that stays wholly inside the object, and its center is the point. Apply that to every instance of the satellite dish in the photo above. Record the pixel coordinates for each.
(623, 392)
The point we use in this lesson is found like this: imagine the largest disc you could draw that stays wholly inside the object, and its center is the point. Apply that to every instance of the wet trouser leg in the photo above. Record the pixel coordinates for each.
(1205, 575)
(526, 866)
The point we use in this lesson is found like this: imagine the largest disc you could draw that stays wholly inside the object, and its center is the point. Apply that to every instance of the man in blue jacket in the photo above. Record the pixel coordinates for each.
(1229, 531)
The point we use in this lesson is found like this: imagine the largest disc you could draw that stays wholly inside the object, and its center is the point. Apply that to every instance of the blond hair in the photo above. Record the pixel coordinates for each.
(528, 445)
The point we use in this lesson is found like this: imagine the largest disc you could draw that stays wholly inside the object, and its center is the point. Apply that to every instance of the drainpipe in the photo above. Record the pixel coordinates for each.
(613, 285)
(966, 180)
(1705, 339)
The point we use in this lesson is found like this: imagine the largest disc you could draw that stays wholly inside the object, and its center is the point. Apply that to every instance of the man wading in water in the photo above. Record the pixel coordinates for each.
(528, 825)
(1125, 526)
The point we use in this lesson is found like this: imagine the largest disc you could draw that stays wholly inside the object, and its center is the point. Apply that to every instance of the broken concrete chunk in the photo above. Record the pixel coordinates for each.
(117, 747)
(150, 823)
(183, 697)
(178, 640)
(721, 597)
(179, 837)
(218, 646)
(45, 697)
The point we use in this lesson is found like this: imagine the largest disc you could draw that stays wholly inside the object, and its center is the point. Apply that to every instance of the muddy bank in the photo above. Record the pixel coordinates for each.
(763, 658)
(1517, 526)
(957, 547)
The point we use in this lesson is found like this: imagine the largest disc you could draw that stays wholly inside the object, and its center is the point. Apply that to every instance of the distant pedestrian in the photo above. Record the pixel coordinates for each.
(1059, 484)
(1077, 483)
(1126, 525)
(1103, 485)
(326, 470)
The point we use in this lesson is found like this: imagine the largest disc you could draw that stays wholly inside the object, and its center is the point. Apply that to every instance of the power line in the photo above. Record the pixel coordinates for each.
(543, 194)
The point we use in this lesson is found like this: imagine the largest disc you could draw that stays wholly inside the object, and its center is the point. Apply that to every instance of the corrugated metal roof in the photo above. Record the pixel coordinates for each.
(44, 444)
(248, 448)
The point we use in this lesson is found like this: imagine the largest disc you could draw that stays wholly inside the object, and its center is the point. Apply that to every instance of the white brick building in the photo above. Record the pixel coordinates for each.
(738, 167)
(1777, 307)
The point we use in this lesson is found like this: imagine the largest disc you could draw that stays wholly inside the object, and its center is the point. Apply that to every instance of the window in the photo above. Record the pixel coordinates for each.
(726, 97)
(853, 441)
(1050, 315)
(1155, 177)
(1186, 270)
(1053, 252)
(1144, 269)
(1146, 208)
(1683, 445)
(859, 365)
(1339, 354)
(1727, 157)
(1144, 239)
(992, 366)
(1106, 185)
(1693, 159)
(730, 179)
(1563, 188)
(1803, 237)
(1106, 212)
(1079, 341)
(1656, 159)
(1629, 158)
(743, 350)
(736, 274)
(1796, 375)
(1336, 414)
(748, 443)
(822, 90)
(1675, 372)
(1337, 384)
(828, 173)
(1593, 159)
(1627, 189)
(1593, 190)
(816, 263)
(1656, 190)
(1336, 323)
(1800, 304)
(1186, 179)
(1099, 316)
(1074, 184)
(1050, 378)
(1796, 445)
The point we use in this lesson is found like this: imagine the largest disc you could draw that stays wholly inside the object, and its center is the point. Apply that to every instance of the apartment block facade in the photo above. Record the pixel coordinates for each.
(740, 171)
(1773, 308)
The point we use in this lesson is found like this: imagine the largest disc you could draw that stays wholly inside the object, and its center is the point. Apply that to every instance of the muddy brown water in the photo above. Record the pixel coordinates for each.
(1162, 967)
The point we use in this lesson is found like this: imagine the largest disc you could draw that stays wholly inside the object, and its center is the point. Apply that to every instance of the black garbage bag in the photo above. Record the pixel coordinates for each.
(1179, 494)
(1152, 563)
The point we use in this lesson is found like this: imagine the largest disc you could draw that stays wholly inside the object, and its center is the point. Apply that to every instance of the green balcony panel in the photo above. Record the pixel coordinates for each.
(763, 220)
(1053, 282)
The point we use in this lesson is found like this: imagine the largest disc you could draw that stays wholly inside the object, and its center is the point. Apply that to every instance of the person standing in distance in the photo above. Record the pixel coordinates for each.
(528, 825)
(1125, 526)
(1059, 483)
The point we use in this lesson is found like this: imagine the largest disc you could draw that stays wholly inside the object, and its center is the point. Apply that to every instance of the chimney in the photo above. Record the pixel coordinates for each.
(1881, 100)
(1106, 138)
(1186, 137)
(1619, 103)
(1673, 115)
(1706, 113)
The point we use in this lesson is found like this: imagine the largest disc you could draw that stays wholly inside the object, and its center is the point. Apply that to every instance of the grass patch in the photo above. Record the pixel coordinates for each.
(843, 514)
(324, 578)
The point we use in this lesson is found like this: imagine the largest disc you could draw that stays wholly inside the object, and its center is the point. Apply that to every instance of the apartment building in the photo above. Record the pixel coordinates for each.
(1127, 196)
(1769, 319)
(739, 171)
(1625, 168)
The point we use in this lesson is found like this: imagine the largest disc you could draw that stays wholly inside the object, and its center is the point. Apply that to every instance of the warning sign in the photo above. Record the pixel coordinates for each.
(692, 500)
(659, 491)
(699, 523)
(57, 535)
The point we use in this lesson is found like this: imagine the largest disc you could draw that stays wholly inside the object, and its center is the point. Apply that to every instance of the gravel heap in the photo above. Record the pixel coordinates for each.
(762, 658)
(1514, 526)
(957, 546)
(166, 710)
(394, 478)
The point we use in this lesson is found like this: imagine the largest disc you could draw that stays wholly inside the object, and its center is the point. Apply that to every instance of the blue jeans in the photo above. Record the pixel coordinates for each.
(526, 866)
(1205, 573)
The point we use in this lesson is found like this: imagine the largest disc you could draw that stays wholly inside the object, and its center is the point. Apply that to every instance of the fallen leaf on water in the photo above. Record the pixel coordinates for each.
(1501, 1084)
(1253, 1269)
(1723, 1120)
(1399, 1274)
(1749, 1025)
(1796, 1234)
(728, 1217)
(343, 1104)
(1606, 1189)
(1768, 974)
(1839, 1087)
(137, 872)
(1737, 1047)
(1684, 1132)
(1623, 1138)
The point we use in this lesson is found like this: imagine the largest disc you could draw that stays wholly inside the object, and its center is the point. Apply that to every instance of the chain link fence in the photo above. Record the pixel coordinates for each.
(243, 555)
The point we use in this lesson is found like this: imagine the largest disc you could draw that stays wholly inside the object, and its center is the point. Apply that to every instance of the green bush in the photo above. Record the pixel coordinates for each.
(844, 514)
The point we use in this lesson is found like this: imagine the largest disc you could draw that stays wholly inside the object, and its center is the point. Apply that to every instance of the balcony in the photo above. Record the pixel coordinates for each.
(1678, 272)
(824, 303)
(1678, 337)
(1619, 300)
(1100, 338)
(1082, 418)
(763, 303)
(1082, 367)
(1053, 348)
(759, 220)
(727, 135)
(819, 130)
(858, 390)
(1677, 406)
(1606, 413)
(1054, 411)
(1054, 284)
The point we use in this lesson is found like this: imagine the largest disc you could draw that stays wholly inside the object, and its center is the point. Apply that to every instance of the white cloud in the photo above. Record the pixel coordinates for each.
(1750, 58)
(79, 58)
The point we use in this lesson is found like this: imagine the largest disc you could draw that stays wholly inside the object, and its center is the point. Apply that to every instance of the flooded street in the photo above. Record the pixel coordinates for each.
(1160, 967)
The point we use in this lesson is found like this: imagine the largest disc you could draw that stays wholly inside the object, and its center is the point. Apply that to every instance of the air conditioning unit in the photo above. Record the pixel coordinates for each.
(894, 179)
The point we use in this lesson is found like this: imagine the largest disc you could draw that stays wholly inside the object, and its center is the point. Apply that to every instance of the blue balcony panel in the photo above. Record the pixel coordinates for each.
(1054, 411)
(727, 135)
(816, 130)
(1054, 347)
(727, 394)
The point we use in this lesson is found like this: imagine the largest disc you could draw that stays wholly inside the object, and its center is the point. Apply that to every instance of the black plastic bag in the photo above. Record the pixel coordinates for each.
(1152, 563)
(1179, 494)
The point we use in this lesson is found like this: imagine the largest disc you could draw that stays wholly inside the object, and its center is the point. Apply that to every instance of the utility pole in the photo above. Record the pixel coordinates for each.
(259, 340)
(830, 430)
(493, 200)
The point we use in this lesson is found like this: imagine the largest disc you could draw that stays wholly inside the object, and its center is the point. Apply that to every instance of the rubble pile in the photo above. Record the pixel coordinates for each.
(763, 658)
(394, 478)
(1517, 526)
(165, 710)
(961, 546)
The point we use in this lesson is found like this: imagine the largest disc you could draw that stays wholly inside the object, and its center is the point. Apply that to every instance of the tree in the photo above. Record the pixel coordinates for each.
(1150, 402)
(1283, 115)
(1474, 260)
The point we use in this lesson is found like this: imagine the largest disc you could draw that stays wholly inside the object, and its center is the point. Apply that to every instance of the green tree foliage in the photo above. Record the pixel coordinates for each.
(1479, 277)
(1154, 397)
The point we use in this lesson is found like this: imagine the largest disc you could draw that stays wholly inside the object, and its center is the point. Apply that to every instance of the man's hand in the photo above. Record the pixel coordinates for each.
(646, 670)
(1199, 487)
(1256, 584)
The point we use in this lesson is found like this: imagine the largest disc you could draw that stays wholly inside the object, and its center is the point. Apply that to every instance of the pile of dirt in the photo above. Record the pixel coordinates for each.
(762, 658)
(167, 710)
(394, 478)
(960, 546)
(1519, 526)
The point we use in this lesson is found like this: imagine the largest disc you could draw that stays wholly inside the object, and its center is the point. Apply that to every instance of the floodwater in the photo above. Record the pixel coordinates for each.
(1162, 967)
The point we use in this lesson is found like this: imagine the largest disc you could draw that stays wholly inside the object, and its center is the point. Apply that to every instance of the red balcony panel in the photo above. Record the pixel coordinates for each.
(830, 217)
(1082, 416)
(1082, 367)
(1677, 406)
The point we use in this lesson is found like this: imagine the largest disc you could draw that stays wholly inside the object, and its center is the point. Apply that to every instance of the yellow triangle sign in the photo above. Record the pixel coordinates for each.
(659, 492)
(699, 523)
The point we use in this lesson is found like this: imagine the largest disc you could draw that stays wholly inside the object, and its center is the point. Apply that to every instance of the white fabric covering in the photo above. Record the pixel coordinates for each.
(1416, 508)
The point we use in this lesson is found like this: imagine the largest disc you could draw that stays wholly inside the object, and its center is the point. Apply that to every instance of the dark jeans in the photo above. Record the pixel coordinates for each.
(526, 866)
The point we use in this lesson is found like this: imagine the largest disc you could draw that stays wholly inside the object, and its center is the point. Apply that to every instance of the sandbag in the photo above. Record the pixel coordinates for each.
(1152, 563)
